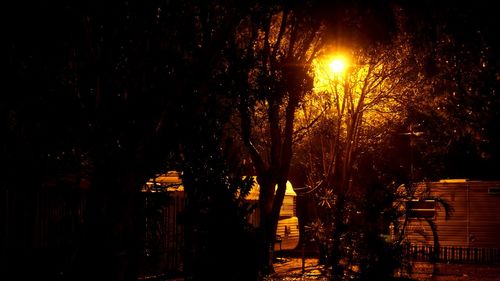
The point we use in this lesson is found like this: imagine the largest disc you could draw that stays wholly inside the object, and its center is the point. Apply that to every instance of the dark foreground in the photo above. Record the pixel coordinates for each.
(291, 269)
(295, 269)
(456, 272)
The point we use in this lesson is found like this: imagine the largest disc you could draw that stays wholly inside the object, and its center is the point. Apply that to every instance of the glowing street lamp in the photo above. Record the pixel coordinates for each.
(337, 65)
(328, 71)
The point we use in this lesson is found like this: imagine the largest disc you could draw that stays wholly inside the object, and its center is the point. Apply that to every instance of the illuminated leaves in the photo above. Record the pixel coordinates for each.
(354, 110)
(327, 198)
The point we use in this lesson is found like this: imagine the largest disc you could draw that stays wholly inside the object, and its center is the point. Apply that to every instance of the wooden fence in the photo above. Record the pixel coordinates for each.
(42, 227)
(164, 235)
(454, 254)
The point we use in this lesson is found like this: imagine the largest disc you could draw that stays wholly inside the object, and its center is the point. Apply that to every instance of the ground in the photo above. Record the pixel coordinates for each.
(295, 269)
(291, 269)
(456, 272)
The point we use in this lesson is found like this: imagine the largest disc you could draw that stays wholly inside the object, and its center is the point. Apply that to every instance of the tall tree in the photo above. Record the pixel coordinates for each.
(460, 47)
(437, 97)
(276, 43)
(360, 105)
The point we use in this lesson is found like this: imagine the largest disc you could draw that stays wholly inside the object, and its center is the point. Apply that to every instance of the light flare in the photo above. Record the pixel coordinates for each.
(337, 65)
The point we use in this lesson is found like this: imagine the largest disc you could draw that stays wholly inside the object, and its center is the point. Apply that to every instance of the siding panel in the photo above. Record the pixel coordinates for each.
(474, 222)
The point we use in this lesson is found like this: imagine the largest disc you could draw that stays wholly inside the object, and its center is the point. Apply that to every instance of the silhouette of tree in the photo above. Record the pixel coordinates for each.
(276, 44)
(112, 92)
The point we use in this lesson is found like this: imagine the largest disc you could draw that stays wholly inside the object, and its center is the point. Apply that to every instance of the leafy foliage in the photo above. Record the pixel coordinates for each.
(357, 114)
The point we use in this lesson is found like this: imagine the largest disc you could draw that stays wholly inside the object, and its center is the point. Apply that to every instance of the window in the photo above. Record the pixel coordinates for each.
(421, 209)
(494, 190)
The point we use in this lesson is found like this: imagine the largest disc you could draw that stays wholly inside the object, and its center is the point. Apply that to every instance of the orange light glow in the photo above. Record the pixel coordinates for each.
(337, 65)
(328, 69)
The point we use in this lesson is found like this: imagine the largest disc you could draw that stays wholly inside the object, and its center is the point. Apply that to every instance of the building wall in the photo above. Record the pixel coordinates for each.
(474, 222)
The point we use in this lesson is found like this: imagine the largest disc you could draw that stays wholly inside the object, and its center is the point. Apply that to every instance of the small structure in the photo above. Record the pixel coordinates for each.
(470, 233)
(287, 233)
(164, 201)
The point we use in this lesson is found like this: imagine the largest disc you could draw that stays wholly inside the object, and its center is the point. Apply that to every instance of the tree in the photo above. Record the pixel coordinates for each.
(277, 43)
(359, 108)
(120, 89)
(351, 150)
(459, 48)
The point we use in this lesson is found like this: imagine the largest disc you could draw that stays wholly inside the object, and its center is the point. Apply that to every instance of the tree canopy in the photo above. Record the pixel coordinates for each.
(108, 94)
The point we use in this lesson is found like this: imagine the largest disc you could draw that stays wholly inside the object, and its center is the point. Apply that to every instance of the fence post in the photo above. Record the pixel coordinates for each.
(303, 257)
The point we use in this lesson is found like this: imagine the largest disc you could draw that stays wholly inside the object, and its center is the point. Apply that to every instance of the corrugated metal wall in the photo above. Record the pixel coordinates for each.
(288, 230)
(474, 222)
(288, 207)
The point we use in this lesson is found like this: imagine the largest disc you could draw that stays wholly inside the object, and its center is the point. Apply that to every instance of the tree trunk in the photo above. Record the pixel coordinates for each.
(270, 206)
(267, 221)
(336, 253)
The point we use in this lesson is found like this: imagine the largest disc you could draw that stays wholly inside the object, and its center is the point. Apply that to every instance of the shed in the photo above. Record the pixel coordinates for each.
(474, 223)
(288, 223)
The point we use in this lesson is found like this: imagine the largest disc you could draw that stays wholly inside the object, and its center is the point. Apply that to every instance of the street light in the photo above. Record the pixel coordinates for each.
(327, 69)
(337, 65)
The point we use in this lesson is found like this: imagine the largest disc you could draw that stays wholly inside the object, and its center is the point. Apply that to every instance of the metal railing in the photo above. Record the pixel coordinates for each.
(453, 254)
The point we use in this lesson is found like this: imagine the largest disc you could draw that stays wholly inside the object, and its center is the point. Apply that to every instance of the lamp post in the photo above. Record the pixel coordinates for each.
(412, 134)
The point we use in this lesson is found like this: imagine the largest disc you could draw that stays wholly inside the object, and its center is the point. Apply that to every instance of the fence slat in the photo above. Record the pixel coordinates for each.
(454, 254)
